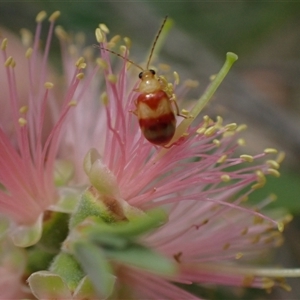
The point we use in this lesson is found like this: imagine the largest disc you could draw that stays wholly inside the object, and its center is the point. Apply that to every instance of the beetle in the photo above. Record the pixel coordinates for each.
(154, 108)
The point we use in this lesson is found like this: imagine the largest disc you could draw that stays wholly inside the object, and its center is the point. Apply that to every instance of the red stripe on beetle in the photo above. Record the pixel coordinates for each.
(152, 99)
(159, 130)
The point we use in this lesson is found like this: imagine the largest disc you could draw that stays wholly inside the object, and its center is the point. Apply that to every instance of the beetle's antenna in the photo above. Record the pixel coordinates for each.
(120, 55)
(155, 41)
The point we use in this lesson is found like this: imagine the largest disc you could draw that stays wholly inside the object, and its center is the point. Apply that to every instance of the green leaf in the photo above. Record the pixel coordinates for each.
(67, 268)
(85, 290)
(89, 205)
(28, 235)
(55, 231)
(95, 264)
(46, 285)
(138, 226)
(144, 258)
(68, 199)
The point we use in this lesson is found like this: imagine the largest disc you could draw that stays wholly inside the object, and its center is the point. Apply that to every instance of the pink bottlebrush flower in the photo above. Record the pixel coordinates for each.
(201, 181)
(29, 149)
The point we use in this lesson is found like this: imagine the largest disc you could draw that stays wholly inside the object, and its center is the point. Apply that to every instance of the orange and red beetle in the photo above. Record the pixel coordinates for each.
(154, 104)
(154, 109)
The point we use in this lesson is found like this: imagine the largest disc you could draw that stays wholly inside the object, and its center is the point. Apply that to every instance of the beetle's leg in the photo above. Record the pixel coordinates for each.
(134, 111)
(173, 100)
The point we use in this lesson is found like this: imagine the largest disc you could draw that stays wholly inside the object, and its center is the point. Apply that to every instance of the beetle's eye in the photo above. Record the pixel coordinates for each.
(152, 71)
(141, 75)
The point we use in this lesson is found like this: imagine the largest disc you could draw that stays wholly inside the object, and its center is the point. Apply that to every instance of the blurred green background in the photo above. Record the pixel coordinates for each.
(262, 90)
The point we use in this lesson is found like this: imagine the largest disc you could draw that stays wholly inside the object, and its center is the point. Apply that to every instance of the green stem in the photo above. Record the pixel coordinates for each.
(202, 102)
(204, 99)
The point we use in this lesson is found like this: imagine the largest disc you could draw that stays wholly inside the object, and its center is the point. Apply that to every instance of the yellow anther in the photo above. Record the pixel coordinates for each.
(191, 83)
(13, 63)
(226, 246)
(241, 127)
(22, 122)
(82, 66)
(80, 76)
(123, 50)
(270, 151)
(4, 44)
(273, 172)
(201, 130)
(280, 226)
(210, 131)
(225, 177)
(185, 134)
(41, 16)
(246, 157)
(23, 109)
(8, 61)
(288, 218)
(231, 127)
(280, 157)
(104, 98)
(54, 16)
(112, 78)
(206, 119)
(28, 52)
(217, 142)
(79, 61)
(272, 197)
(48, 85)
(184, 112)
(228, 134)
(101, 63)
(267, 283)
(222, 159)
(72, 103)
(99, 35)
(61, 33)
(127, 41)
(219, 121)
(239, 255)
(176, 77)
(170, 87)
(260, 176)
(241, 142)
(244, 231)
(104, 28)
(272, 163)
(164, 67)
(257, 186)
(128, 65)
(115, 39)
(285, 286)
(26, 37)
